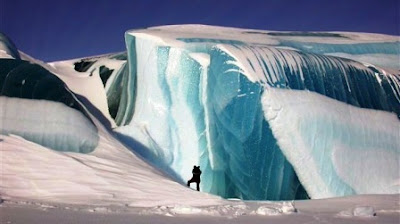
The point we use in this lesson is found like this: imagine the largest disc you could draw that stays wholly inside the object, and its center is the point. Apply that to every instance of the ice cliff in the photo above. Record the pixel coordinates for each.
(202, 97)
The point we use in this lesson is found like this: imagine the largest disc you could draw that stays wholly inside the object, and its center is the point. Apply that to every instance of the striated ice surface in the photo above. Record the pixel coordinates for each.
(182, 114)
(335, 148)
(197, 99)
(51, 124)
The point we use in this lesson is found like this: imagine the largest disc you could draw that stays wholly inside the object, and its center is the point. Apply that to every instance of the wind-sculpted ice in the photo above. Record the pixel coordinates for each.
(36, 105)
(335, 148)
(197, 100)
(48, 123)
(118, 86)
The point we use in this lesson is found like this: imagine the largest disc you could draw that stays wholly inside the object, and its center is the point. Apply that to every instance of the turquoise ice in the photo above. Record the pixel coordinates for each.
(197, 100)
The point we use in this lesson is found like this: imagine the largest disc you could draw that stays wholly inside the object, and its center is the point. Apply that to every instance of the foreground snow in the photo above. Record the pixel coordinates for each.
(109, 176)
(355, 209)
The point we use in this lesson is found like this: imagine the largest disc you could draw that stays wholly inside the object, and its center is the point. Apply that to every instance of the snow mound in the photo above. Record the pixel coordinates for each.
(359, 211)
(228, 210)
(286, 207)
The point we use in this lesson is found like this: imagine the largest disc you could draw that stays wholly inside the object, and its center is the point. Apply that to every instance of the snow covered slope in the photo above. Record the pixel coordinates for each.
(267, 115)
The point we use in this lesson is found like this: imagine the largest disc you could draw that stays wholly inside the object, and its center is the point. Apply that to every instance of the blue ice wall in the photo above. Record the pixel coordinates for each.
(191, 114)
(340, 79)
(200, 103)
(245, 152)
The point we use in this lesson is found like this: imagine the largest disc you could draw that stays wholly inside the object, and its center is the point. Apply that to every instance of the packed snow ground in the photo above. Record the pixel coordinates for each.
(355, 209)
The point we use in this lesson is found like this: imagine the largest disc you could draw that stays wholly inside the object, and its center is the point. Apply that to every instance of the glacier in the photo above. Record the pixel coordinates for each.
(267, 115)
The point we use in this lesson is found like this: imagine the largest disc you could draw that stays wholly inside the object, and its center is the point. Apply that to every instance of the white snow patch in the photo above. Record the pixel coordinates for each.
(4, 55)
(286, 207)
(359, 211)
(267, 211)
(202, 58)
(168, 34)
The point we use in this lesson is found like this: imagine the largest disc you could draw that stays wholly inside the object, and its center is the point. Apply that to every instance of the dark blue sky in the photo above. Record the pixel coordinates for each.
(55, 30)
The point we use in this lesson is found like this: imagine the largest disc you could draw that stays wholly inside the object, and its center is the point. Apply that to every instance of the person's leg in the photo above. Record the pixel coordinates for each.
(198, 186)
(189, 182)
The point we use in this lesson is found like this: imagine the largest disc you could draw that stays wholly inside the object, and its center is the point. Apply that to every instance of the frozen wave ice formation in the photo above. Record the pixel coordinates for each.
(198, 100)
(335, 148)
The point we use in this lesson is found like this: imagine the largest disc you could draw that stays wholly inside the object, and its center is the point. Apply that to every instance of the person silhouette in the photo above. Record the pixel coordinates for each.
(196, 177)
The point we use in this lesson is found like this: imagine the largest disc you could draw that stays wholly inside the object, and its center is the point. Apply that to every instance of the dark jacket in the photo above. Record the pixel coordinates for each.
(196, 174)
